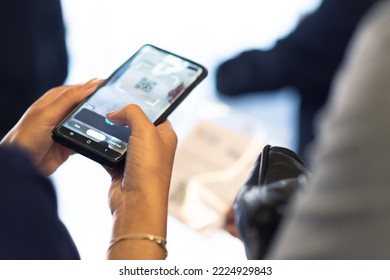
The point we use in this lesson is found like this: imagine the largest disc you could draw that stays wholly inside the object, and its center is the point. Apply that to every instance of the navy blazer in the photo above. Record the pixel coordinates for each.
(29, 222)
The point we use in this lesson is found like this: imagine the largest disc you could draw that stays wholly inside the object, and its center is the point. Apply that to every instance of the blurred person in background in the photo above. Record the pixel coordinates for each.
(343, 210)
(306, 59)
(33, 55)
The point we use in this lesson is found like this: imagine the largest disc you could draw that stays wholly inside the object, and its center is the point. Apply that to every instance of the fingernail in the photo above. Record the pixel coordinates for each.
(110, 118)
(91, 84)
(110, 114)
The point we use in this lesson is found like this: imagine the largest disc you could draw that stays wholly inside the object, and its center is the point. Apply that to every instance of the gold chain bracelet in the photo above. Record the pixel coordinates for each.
(160, 241)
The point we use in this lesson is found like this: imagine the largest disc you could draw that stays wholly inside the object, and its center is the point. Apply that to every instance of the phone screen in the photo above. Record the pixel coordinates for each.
(152, 78)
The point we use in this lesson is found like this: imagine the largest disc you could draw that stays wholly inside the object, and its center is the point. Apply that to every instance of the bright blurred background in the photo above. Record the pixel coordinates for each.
(101, 34)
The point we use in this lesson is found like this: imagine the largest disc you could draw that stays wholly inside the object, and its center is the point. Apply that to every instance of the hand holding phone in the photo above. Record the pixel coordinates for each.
(155, 79)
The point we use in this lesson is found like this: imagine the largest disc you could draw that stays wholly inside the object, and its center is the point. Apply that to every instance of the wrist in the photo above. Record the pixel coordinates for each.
(140, 213)
(155, 247)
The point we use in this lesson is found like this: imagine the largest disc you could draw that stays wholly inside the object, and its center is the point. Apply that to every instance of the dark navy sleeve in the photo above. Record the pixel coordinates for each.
(29, 224)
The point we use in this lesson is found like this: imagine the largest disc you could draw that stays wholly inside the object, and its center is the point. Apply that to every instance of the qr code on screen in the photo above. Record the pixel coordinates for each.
(146, 85)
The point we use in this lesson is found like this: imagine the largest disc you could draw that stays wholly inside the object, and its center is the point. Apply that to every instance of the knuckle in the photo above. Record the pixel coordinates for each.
(132, 107)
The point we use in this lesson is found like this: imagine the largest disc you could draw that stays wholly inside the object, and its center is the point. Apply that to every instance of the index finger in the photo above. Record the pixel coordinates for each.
(56, 92)
(62, 100)
(167, 133)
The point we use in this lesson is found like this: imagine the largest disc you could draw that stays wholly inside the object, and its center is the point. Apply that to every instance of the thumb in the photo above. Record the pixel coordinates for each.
(131, 116)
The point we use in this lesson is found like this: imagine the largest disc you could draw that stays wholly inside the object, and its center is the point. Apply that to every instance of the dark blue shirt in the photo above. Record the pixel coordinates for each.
(29, 224)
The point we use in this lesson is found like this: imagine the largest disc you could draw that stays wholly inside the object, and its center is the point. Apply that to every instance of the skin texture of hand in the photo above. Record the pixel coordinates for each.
(33, 132)
(138, 196)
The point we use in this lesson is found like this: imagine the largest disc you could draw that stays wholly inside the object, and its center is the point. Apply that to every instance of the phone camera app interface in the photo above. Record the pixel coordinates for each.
(152, 79)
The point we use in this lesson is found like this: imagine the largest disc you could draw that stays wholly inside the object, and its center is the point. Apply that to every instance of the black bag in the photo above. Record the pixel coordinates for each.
(263, 201)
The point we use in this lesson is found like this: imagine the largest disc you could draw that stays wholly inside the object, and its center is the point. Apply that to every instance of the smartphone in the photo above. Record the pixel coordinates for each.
(153, 78)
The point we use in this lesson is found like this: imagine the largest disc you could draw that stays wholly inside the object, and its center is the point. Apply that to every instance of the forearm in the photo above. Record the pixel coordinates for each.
(139, 227)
